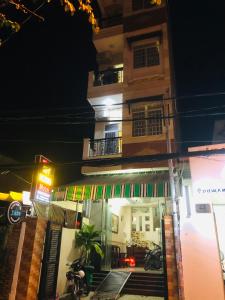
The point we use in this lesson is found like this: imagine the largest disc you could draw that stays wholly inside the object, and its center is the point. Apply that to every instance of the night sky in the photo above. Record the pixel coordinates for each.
(44, 72)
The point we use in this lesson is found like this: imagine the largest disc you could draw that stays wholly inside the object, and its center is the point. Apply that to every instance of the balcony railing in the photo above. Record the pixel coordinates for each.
(109, 76)
(103, 147)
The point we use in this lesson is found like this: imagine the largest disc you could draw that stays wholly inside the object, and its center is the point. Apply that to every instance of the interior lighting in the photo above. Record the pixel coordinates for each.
(116, 204)
(109, 101)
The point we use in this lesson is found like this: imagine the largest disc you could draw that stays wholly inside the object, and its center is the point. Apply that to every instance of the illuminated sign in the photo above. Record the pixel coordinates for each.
(14, 213)
(42, 179)
(45, 179)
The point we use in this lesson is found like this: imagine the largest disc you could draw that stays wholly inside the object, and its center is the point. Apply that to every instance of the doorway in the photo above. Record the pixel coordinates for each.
(111, 138)
(135, 227)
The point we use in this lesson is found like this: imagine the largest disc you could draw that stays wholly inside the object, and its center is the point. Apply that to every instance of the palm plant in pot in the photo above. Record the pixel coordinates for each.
(86, 240)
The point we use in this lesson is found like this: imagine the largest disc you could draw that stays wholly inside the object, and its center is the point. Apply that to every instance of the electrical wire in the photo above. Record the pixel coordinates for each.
(121, 160)
(93, 120)
(81, 115)
(184, 97)
(81, 141)
(32, 13)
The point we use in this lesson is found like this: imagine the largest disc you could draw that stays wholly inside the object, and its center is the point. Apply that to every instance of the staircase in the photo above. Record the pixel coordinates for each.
(139, 283)
(146, 284)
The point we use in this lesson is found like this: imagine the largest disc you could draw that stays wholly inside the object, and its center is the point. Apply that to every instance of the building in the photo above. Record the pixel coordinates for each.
(202, 207)
(132, 96)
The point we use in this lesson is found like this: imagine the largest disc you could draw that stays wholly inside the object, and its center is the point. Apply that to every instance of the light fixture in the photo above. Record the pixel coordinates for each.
(109, 101)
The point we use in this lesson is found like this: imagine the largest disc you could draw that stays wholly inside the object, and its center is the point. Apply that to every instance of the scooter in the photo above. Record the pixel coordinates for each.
(153, 258)
(76, 280)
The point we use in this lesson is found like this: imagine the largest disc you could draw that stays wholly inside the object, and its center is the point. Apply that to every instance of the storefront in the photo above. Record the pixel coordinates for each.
(126, 208)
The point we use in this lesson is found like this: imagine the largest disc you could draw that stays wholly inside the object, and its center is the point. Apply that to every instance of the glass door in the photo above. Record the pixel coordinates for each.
(100, 216)
(111, 138)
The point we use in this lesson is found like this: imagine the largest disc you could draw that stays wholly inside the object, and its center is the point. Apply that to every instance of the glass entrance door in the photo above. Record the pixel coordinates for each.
(101, 217)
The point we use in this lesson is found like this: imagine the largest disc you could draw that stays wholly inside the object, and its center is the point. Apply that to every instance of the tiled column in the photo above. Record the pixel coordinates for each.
(172, 281)
(28, 281)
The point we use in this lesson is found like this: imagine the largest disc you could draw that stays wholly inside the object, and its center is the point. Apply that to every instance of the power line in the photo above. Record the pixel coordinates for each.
(81, 141)
(126, 160)
(93, 120)
(184, 97)
(80, 115)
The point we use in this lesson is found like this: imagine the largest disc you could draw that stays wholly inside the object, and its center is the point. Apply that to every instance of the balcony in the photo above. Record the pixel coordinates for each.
(109, 76)
(112, 21)
(104, 147)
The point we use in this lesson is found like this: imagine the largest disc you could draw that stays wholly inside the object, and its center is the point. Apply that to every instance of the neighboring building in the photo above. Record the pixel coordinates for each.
(202, 226)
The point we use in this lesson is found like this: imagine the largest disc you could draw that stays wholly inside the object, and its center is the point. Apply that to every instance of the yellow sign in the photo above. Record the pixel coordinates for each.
(45, 179)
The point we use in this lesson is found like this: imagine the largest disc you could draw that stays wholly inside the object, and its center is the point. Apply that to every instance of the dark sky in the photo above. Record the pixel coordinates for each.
(44, 69)
(198, 30)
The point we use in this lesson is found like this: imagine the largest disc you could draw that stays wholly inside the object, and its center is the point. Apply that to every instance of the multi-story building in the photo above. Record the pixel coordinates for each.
(132, 96)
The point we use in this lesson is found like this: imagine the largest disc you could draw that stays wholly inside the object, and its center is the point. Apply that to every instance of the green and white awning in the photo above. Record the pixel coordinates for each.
(106, 187)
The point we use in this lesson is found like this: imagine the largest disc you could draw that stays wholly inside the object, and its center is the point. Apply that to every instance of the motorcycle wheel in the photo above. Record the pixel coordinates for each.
(157, 265)
(75, 294)
(146, 266)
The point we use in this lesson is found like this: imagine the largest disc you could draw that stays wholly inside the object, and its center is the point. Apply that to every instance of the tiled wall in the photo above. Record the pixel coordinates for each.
(171, 259)
(8, 264)
(28, 281)
(30, 264)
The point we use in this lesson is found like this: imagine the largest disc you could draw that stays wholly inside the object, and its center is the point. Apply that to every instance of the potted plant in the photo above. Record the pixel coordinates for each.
(86, 240)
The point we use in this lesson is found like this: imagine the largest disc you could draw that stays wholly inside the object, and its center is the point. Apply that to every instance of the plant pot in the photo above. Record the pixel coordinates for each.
(89, 270)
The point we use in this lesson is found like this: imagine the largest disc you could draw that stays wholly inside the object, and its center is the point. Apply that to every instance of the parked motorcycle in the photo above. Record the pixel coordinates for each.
(153, 258)
(76, 280)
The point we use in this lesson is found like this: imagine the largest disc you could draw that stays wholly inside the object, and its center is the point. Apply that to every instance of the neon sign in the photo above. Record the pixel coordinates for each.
(43, 179)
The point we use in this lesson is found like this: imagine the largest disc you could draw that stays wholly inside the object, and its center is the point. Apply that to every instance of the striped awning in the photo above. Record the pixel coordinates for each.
(107, 190)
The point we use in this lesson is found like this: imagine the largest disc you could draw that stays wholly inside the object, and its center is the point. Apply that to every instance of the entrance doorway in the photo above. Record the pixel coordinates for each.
(135, 228)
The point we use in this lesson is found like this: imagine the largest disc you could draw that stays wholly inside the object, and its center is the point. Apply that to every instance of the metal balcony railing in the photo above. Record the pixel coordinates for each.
(103, 147)
(109, 76)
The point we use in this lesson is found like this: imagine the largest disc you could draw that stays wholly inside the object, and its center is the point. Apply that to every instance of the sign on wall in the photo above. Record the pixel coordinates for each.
(208, 173)
(11, 212)
(42, 179)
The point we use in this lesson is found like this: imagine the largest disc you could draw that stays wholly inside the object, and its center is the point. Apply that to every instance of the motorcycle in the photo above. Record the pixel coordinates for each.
(76, 280)
(153, 258)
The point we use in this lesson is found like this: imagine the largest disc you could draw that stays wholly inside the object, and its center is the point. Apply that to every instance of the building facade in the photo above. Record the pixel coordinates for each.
(132, 96)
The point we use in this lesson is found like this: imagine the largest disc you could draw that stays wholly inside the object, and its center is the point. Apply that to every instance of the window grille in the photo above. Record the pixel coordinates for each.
(146, 56)
(147, 121)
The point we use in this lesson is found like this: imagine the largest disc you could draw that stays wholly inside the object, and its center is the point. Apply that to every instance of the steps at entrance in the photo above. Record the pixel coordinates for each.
(139, 283)
(98, 277)
(146, 284)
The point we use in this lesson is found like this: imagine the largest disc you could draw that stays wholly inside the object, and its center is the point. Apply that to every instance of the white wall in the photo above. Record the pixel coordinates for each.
(123, 235)
(124, 232)
(67, 254)
(202, 275)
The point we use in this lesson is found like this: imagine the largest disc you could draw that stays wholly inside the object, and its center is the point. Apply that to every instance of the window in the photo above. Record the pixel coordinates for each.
(141, 4)
(146, 56)
(147, 121)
